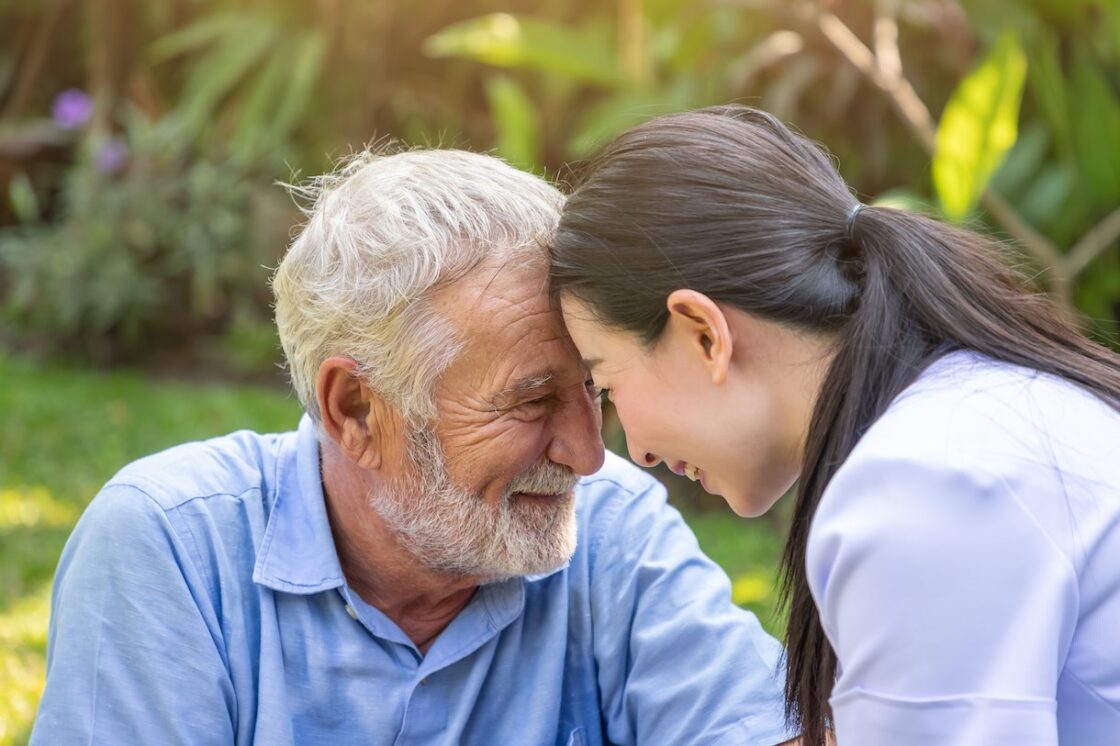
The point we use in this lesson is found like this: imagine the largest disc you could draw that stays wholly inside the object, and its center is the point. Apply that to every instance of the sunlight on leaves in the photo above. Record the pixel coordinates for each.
(978, 127)
(752, 587)
(23, 635)
(34, 507)
(510, 41)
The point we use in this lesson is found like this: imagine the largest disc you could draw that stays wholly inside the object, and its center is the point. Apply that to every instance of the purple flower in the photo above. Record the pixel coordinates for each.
(72, 109)
(111, 156)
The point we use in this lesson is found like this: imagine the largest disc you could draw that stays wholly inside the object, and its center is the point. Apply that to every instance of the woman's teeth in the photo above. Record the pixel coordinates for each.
(692, 472)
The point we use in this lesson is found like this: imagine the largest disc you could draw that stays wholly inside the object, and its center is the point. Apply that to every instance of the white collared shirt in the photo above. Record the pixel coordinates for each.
(966, 562)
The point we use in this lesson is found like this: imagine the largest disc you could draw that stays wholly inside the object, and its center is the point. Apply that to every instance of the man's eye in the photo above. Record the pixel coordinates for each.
(538, 402)
(596, 391)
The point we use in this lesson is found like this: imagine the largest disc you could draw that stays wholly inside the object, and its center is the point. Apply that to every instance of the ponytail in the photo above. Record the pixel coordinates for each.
(731, 203)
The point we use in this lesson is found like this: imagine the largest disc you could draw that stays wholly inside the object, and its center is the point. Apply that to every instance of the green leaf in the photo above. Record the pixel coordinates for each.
(1048, 89)
(221, 69)
(199, 34)
(25, 205)
(1095, 122)
(515, 120)
(306, 67)
(259, 107)
(978, 127)
(1048, 194)
(624, 109)
(1023, 162)
(512, 41)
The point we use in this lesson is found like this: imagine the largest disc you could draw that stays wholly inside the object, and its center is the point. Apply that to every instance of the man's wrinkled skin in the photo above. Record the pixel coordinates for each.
(515, 396)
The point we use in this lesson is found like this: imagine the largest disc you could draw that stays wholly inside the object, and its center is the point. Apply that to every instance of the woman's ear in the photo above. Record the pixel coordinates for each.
(354, 416)
(704, 327)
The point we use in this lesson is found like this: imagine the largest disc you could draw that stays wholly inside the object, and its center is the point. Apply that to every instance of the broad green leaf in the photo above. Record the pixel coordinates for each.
(259, 107)
(1023, 162)
(622, 110)
(978, 127)
(506, 40)
(222, 68)
(198, 34)
(1095, 123)
(1048, 194)
(515, 122)
(1048, 89)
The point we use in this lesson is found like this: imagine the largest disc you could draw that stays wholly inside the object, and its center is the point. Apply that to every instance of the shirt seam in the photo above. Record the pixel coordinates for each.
(193, 551)
(1013, 494)
(966, 698)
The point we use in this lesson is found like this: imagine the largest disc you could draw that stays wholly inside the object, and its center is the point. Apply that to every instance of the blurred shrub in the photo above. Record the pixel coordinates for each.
(1004, 104)
(265, 88)
(154, 245)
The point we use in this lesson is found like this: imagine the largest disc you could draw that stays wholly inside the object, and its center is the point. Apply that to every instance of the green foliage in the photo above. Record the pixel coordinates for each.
(53, 462)
(515, 122)
(584, 53)
(249, 67)
(978, 127)
(64, 433)
(285, 86)
(160, 247)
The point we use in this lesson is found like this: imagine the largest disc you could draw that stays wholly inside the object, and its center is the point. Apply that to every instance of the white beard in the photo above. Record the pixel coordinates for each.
(452, 530)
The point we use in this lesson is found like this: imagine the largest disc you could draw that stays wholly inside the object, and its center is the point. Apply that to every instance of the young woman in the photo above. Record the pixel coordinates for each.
(953, 568)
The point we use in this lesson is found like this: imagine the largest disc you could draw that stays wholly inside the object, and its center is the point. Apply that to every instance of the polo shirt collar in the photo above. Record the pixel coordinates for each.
(297, 554)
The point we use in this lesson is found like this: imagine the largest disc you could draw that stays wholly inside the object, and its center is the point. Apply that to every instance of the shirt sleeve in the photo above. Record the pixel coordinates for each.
(949, 607)
(131, 654)
(678, 662)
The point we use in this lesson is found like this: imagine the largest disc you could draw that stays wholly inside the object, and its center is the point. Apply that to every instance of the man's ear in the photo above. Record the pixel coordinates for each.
(701, 322)
(354, 415)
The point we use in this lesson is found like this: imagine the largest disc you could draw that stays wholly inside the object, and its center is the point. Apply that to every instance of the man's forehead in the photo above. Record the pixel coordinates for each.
(514, 338)
(497, 289)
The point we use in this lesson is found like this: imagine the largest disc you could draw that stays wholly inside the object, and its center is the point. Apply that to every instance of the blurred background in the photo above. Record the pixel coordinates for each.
(142, 143)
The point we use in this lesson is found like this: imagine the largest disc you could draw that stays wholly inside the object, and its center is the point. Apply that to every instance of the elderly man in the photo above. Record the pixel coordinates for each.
(420, 563)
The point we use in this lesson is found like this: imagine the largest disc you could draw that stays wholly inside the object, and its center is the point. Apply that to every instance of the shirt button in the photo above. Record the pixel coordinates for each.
(350, 610)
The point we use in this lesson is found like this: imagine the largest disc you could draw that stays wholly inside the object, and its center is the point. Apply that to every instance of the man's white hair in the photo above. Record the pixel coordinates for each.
(382, 232)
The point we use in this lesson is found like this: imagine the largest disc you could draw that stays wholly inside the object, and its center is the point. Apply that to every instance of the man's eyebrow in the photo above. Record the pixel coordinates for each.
(591, 362)
(521, 387)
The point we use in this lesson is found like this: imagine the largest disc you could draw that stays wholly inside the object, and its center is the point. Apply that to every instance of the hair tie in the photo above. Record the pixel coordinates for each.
(852, 220)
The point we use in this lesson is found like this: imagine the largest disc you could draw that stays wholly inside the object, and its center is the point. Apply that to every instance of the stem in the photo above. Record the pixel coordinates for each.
(1093, 243)
(631, 44)
(885, 72)
(33, 62)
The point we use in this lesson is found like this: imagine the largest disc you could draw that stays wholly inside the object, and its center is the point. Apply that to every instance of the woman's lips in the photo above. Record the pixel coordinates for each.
(685, 469)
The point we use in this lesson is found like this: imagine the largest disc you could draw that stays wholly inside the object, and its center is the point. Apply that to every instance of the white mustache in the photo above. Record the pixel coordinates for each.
(544, 479)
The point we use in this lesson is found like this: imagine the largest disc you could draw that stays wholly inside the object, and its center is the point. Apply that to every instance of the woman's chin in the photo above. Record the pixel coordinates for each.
(752, 504)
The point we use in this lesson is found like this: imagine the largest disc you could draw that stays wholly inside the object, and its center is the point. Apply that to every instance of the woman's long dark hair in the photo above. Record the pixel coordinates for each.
(729, 202)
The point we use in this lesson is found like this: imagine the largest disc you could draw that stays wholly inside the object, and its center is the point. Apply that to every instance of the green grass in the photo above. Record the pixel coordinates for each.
(65, 431)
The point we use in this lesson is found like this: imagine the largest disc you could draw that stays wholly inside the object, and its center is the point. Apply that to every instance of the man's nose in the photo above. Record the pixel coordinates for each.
(576, 438)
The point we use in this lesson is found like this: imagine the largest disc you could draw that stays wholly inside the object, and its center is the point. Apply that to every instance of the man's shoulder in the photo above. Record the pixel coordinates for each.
(230, 465)
(618, 477)
(619, 486)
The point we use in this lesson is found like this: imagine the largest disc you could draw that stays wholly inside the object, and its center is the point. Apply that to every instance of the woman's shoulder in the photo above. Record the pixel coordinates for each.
(968, 410)
(974, 436)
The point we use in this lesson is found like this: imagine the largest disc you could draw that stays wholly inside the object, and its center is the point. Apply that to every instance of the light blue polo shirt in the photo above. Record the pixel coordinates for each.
(200, 601)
